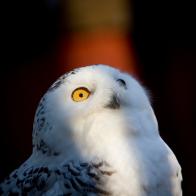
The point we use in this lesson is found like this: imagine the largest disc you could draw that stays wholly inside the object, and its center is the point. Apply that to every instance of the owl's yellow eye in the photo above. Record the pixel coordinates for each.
(80, 94)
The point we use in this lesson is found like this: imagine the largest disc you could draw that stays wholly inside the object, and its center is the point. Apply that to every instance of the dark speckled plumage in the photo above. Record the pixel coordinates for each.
(73, 178)
(61, 80)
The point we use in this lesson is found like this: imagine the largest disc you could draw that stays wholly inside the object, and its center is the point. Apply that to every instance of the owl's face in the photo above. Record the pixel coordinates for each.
(84, 98)
(94, 89)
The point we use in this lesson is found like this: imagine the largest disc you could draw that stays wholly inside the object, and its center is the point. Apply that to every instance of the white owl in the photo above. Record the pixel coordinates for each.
(95, 133)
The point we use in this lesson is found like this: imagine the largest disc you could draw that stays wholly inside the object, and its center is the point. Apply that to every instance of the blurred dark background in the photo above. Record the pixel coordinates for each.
(157, 43)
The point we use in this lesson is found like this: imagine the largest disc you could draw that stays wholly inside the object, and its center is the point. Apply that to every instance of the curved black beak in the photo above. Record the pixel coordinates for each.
(114, 103)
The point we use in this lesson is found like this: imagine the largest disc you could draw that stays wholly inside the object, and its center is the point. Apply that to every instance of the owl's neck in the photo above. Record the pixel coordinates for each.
(106, 135)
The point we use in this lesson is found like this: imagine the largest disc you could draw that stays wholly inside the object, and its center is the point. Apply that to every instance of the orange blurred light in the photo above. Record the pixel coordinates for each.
(100, 47)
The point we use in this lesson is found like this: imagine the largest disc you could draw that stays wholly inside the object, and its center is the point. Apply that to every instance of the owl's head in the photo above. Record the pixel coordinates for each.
(76, 97)
(93, 88)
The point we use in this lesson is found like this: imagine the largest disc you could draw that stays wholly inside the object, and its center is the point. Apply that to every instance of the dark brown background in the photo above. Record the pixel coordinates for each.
(164, 39)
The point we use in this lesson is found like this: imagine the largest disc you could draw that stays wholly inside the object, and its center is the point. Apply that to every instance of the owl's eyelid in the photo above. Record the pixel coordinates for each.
(82, 88)
(122, 83)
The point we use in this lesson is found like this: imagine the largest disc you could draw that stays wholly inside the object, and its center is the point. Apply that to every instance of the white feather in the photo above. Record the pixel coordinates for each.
(126, 138)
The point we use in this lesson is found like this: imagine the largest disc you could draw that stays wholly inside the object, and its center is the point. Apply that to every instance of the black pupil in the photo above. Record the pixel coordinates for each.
(81, 95)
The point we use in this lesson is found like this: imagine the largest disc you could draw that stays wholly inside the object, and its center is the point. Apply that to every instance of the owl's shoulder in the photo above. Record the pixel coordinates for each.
(69, 178)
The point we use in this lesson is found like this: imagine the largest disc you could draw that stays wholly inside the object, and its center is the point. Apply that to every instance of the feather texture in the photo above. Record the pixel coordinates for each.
(107, 143)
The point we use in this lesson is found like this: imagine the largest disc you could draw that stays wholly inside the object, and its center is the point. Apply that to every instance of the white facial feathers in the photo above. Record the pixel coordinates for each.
(111, 91)
(97, 118)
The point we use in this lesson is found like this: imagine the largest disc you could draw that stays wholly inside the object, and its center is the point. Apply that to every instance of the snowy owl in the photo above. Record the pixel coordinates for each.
(95, 133)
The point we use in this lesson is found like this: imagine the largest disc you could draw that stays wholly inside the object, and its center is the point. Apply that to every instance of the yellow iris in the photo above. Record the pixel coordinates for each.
(80, 94)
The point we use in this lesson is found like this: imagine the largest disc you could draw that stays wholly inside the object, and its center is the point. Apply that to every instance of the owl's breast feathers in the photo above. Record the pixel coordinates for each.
(72, 178)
